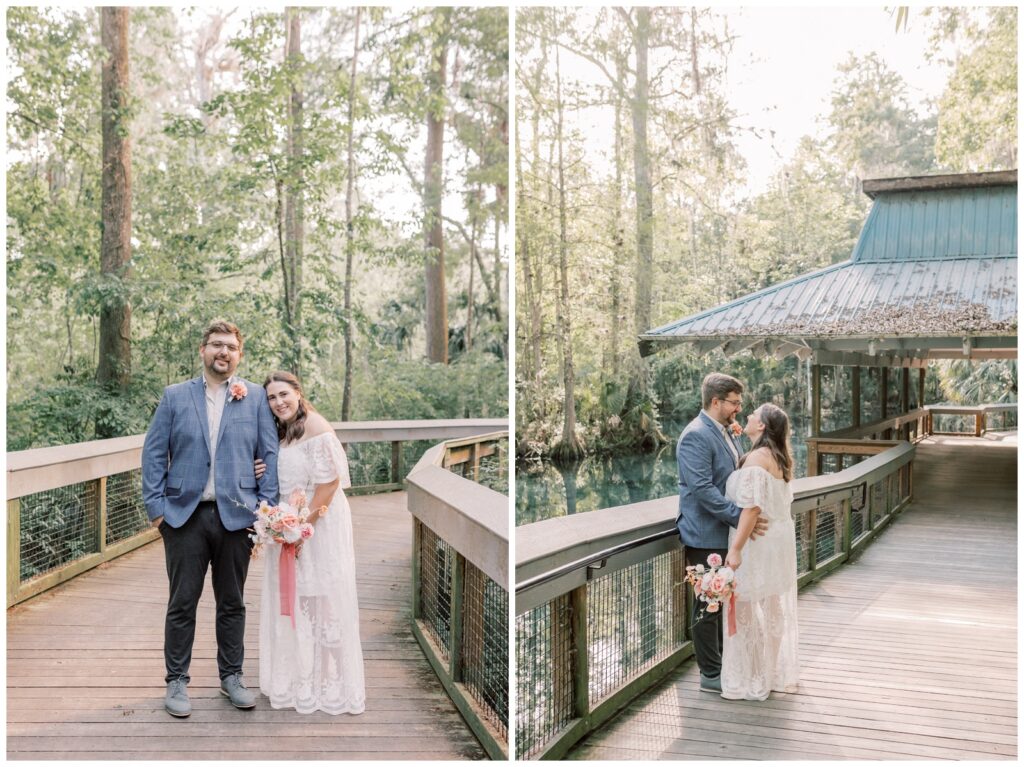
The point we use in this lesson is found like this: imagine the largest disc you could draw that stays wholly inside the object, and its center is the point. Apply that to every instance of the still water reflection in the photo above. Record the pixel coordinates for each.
(544, 491)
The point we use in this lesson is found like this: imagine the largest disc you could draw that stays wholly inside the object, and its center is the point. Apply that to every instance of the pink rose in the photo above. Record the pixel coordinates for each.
(717, 584)
(714, 560)
(712, 607)
(290, 521)
(307, 532)
(238, 390)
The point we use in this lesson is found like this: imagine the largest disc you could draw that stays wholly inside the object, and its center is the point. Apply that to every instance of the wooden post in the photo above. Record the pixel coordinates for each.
(979, 423)
(920, 386)
(474, 453)
(580, 656)
(101, 515)
(396, 462)
(812, 530)
(847, 526)
(816, 400)
(839, 462)
(13, 549)
(473, 606)
(856, 395)
(883, 388)
(457, 614)
(417, 581)
(680, 589)
(905, 400)
(812, 459)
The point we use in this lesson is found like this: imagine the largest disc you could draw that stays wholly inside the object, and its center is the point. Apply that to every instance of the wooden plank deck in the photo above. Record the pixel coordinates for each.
(85, 669)
(902, 658)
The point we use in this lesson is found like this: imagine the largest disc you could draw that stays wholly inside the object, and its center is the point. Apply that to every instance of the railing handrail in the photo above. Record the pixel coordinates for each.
(46, 468)
(543, 557)
(471, 517)
(882, 424)
(1004, 407)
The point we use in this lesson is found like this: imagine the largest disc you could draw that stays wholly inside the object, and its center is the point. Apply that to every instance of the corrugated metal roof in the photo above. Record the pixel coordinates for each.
(939, 262)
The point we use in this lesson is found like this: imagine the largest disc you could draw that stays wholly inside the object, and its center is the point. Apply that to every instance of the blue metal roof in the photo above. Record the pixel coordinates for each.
(936, 263)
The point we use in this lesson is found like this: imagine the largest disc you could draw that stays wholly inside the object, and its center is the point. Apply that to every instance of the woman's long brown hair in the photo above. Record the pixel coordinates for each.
(294, 430)
(775, 437)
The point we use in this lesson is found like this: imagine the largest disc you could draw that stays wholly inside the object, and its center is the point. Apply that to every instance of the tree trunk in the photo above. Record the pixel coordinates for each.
(642, 169)
(293, 204)
(618, 249)
(436, 299)
(114, 364)
(346, 399)
(569, 447)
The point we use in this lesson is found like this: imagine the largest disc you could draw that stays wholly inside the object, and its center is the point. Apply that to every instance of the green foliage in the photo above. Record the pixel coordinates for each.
(977, 129)
(967, 382)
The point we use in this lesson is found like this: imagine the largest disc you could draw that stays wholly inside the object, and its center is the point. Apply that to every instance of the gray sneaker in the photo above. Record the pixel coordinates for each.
(710, 684)
(237, 693)
(176, 700)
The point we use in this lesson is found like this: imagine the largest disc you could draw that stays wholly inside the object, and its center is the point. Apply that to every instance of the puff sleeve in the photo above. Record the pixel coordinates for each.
(329, 461)
(752, 487)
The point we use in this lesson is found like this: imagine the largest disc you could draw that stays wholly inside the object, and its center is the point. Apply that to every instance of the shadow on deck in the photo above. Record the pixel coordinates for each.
(85, 669)
(909, 652)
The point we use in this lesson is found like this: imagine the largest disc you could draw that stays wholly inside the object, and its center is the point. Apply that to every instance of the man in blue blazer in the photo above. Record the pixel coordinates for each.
(707, 453)
(201, 491)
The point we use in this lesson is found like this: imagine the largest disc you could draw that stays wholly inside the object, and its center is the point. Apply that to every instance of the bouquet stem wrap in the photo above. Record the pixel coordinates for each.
(732, 614)
(286, 568)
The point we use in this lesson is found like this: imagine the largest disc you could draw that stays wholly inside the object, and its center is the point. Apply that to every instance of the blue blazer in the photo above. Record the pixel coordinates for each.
(705, 463)
(176, 455)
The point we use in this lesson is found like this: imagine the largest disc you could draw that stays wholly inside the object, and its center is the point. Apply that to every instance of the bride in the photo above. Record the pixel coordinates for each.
(314, 663)
(762, 655)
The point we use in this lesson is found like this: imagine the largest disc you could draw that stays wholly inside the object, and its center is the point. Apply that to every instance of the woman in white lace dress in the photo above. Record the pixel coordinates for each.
(317, 664)
(762, 655)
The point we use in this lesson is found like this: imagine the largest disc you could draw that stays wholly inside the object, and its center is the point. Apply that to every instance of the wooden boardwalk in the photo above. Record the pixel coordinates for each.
(85, 669)
(910, 652)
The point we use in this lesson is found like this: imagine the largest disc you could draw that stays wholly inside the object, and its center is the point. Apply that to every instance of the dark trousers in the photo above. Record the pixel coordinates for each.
(189, 550)
(707, 631)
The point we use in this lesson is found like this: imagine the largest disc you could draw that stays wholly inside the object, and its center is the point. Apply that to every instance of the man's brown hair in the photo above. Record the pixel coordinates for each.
(222, 326)
(718, 385)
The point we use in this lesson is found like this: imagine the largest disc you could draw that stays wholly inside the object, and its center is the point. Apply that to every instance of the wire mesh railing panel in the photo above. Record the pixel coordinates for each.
(126, 513)
(802, 523)
(369, 463)
(828, 533)
(494, 468)
(631, 624)
(950, 423)
(58, 526)
(485, 646)
(879, 500)
(859, 516)
(437, 562)
(893, 485)
(544, 687)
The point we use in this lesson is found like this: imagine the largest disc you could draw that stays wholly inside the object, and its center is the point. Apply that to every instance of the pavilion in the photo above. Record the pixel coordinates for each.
(933, 276)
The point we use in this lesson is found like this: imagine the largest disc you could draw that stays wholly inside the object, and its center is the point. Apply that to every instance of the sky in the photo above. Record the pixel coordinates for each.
(784, 62)
(781, 72)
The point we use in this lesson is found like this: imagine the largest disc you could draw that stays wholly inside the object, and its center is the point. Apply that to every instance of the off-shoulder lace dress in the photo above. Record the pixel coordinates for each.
(318, 665)
(762, 655)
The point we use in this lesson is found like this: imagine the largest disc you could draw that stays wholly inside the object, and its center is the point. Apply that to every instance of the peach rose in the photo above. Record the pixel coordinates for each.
(712, 607)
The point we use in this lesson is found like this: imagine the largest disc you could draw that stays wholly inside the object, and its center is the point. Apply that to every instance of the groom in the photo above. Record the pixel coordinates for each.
(707, 453)
(200, 490)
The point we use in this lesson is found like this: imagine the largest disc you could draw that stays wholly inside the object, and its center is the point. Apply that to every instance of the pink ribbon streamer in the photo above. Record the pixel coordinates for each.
(732, 614)
(286, 567)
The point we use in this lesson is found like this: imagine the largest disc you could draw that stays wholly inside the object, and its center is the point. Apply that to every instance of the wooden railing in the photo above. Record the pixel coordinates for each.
(73, 507)
(979, 413)
(856, 442)
(601, 604)
(460, 579)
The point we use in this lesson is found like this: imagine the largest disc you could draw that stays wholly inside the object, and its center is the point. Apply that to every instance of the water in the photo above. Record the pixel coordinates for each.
(544, 491)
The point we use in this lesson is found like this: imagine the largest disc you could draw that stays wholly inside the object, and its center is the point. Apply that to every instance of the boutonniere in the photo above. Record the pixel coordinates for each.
(238, 390)
(735, 429)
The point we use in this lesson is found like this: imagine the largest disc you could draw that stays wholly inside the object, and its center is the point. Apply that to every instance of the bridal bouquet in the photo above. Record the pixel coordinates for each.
(713, 585)
(286, 523)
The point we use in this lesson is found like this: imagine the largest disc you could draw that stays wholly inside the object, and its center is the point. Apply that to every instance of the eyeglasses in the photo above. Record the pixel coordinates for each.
(733, 402)
(218, 346)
